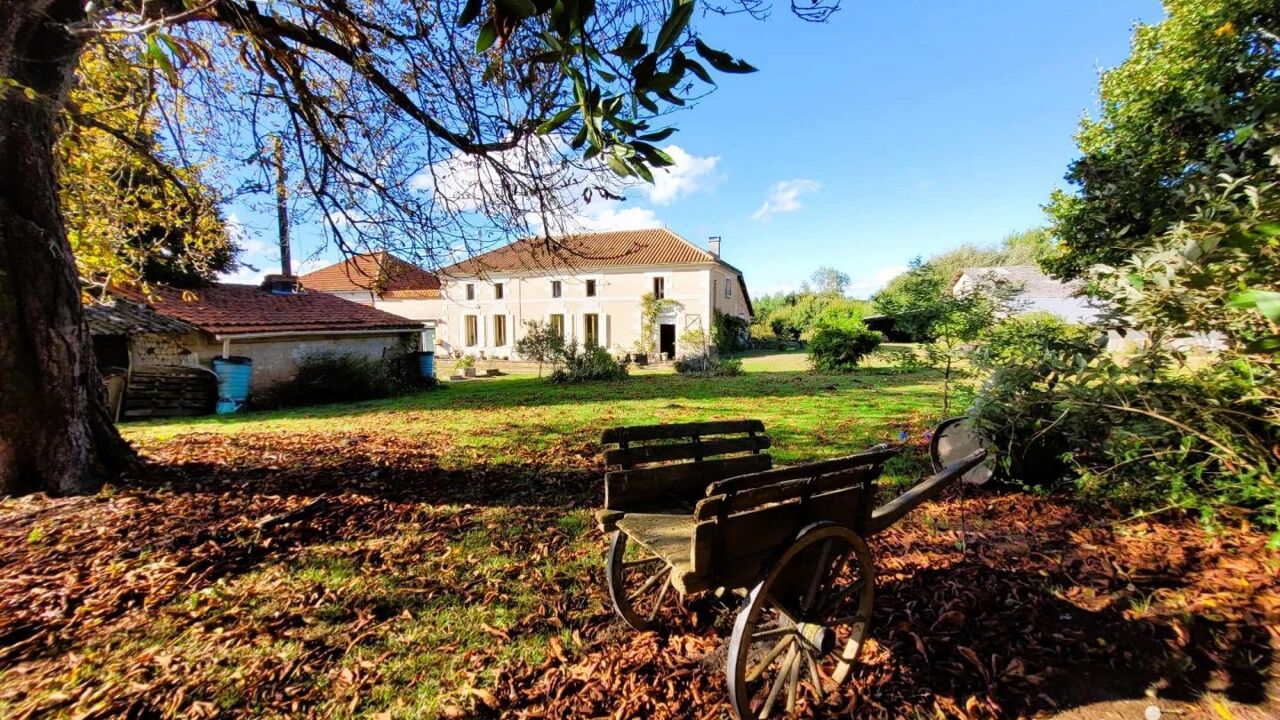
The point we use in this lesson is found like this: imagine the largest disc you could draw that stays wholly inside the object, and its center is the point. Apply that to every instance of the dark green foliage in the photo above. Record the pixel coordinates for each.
(325, 378)
(1024, 359)
(729, 333)
(840, 346)
(579, 365)
(911, 299)
(792, 317)
(1186, 99)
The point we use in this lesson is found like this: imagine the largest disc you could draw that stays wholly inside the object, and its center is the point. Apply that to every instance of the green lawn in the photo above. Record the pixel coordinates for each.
(810, 415)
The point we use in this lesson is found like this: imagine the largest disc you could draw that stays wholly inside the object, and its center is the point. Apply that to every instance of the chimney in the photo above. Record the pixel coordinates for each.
(713, 243)
(281, 284)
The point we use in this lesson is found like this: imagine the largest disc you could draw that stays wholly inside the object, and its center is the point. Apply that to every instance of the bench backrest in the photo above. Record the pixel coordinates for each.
(674, 463)
(746, 520)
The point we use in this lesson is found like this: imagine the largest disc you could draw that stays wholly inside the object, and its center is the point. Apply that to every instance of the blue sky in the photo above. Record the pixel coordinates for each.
(895, 130)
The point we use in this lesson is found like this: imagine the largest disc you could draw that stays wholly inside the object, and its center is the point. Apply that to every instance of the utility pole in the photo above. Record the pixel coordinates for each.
(282, 210)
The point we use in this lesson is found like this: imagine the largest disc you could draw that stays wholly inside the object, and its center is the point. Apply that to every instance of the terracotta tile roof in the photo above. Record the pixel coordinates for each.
(618, 248)
(119, 316)
(231, 309)
(380, 272)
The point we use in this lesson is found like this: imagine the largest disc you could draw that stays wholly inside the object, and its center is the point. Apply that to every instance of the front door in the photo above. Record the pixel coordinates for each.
(667, 340)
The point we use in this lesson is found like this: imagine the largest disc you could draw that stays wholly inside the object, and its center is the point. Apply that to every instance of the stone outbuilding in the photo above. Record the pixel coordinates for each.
(172, 332)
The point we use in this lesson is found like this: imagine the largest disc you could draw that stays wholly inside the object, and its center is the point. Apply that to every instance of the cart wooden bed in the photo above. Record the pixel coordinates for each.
(697, 507)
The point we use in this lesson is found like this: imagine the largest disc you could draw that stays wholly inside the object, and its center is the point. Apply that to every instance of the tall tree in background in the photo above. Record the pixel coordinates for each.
(1185, 101)
(132, 217)
(828, 280)
(407, 123)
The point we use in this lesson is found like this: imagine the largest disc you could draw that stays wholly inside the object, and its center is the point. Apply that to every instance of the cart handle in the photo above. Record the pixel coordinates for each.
(893, 511)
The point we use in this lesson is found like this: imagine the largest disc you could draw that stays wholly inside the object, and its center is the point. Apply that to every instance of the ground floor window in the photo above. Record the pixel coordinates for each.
(499, 330)
(557, 324)
(591, 329)
(473, 331)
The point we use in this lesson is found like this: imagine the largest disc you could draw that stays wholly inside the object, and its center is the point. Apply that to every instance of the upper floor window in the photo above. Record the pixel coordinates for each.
(471, 291)
(659, 287)
(591, 288)
(728, 288)
(497, 291)
(555, 288)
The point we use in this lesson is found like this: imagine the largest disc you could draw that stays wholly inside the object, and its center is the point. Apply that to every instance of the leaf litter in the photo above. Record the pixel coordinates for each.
(366, 574)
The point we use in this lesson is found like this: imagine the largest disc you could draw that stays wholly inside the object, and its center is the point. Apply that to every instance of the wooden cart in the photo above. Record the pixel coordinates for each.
(697, 507)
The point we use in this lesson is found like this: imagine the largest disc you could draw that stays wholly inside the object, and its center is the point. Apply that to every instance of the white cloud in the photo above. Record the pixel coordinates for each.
(784, 197)
(606, 217)
(691, 174)
(868, 285)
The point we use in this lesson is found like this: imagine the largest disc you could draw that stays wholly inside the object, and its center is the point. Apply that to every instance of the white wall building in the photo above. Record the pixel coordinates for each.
(1036, 292)
(591, 287)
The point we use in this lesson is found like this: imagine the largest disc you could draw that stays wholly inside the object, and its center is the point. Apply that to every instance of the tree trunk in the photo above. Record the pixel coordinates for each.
(55, 432)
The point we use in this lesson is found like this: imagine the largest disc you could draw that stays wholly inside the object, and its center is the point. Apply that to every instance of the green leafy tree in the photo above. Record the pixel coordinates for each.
(913, 300)
(1188, 97)
(540, 343)
(132, 216)
(829, 281)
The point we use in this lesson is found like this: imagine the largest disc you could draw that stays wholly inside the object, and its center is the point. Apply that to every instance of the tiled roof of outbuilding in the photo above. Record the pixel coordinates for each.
(232, 309)
(118, 316)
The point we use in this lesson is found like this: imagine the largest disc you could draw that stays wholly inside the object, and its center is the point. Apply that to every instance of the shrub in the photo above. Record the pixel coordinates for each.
(840, 346)
(587, 365)
(338, 377)
(1023, 360)
(540, 343)
(729, 333)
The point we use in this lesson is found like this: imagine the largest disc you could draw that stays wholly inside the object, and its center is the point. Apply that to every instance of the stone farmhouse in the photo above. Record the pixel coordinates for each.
(591, 288)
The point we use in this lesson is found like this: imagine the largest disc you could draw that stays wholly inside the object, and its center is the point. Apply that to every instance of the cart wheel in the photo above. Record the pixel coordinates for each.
(639, 581)
(801, 627)
(954, 439)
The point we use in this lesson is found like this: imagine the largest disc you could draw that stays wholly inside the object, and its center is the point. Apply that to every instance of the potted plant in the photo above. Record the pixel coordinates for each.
(640, 353)
(465, 366)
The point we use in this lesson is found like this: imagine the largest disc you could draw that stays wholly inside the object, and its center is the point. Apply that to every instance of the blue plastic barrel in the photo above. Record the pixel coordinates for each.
(426, 363)
(233, 382)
